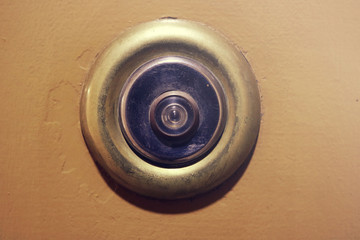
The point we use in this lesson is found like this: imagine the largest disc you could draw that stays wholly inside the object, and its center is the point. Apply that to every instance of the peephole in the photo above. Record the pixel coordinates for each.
(170, 109)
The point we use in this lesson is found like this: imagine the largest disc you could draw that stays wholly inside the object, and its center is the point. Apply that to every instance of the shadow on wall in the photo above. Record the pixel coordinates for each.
(181, 205)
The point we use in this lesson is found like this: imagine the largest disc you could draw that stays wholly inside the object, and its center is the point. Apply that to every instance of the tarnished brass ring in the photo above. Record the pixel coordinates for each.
(100, 115)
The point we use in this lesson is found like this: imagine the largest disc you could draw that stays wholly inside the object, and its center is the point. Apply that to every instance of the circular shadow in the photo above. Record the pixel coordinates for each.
(177, 206)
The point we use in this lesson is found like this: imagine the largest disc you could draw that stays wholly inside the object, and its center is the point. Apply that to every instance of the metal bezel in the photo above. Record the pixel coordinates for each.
(165, 95)
(194, 65)
(162, 38)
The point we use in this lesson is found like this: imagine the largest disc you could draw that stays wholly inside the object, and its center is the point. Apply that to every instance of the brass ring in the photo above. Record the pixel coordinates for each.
(160, 39)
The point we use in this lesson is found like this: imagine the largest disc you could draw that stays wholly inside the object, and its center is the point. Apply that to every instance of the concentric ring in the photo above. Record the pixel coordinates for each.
(174, 117)
(156, 84)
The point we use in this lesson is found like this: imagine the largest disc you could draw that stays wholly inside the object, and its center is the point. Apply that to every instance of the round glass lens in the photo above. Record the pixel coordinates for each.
(174, 116)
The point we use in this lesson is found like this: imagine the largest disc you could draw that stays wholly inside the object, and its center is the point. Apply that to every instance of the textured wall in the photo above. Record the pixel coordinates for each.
(301, 183)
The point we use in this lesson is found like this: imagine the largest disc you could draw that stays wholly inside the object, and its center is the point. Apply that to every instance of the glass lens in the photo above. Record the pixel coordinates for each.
(174, 116)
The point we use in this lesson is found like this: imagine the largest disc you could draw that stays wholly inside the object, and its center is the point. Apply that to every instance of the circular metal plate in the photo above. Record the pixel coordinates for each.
(158, 80)
(101, 117)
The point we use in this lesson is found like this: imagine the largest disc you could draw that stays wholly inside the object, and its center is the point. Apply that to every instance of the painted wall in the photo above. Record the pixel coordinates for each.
(301, 183)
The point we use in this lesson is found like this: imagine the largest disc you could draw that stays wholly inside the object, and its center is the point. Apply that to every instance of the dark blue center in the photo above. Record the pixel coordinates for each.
(156, 81)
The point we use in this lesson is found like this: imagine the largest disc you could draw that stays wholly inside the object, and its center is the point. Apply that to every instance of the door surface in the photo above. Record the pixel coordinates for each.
(302, 181)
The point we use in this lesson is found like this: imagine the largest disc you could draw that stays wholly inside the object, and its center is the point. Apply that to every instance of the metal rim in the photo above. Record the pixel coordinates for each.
(162, 38)
(169, 94)
(196, 66)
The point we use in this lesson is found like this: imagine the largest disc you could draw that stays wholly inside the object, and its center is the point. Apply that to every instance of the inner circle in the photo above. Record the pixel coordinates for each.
(163, 138)
(174, 116)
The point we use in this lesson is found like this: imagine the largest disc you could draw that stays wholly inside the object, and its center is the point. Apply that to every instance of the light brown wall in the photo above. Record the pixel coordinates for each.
(303, 179)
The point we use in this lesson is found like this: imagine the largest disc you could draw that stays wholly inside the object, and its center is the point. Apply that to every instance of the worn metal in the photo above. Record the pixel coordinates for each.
(163, 38)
